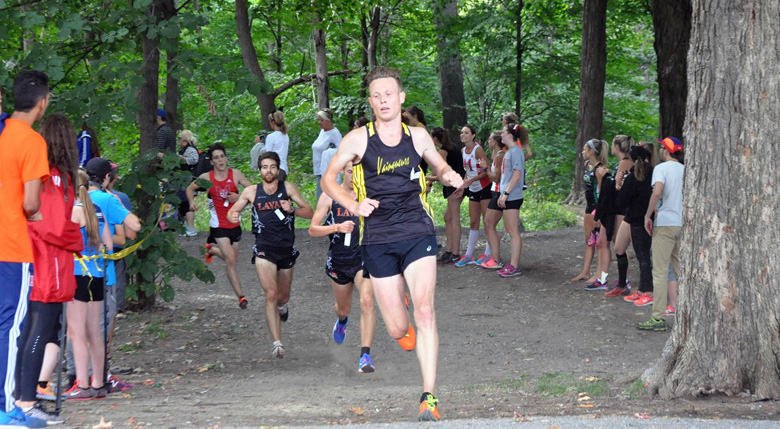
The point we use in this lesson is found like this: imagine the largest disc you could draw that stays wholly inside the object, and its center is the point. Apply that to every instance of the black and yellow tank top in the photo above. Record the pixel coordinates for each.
(392, 176)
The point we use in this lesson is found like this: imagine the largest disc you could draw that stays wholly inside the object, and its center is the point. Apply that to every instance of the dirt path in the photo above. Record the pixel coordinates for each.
(525, 345)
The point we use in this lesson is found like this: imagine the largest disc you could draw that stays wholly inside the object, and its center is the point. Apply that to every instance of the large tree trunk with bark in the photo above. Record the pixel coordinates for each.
(149, 91)
(672, 22)
(726, 338)
(519, 54)
(249, 56)
(321, 63)
(172, 92)
(453, 98)
(593, 67)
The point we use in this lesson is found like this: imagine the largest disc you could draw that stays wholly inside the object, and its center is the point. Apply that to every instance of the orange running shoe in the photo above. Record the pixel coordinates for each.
(408, 341)
(209, 256)
(429, 411)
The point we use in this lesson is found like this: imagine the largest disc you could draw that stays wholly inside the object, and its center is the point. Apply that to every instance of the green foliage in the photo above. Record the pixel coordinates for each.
(553, 384)
(152, 186)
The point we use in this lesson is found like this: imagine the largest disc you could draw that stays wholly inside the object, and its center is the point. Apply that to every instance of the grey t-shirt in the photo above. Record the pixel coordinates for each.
(670, 173)
(513, 160)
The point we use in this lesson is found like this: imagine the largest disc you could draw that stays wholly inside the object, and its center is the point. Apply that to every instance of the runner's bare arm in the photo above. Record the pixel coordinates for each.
(304, 210)
(317, 229)
(426, 148)
(481, 157)
(351, 149)
(32, 199)
(246, 197)
(190, 191)
(241, 179)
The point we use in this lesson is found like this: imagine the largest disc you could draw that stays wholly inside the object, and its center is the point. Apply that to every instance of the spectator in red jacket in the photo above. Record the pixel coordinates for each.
(54, 240)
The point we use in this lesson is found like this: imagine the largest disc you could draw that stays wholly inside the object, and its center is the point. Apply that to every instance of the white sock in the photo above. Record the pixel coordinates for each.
(473, 237)
(487, 250)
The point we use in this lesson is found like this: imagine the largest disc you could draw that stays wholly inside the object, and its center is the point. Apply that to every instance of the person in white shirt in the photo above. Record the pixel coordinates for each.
(329, 137)
(667, 188)
(278, 141)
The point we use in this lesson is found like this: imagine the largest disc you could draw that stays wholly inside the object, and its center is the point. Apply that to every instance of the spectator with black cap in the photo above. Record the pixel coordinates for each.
(166, 138)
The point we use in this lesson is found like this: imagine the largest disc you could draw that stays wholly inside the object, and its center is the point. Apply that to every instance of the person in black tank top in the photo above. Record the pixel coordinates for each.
(454, 197)
(344, 266)
(273, 215)
(398, 240)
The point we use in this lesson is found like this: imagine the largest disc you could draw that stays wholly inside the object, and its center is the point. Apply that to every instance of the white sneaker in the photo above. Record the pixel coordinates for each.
(278, 351)
(191, 232)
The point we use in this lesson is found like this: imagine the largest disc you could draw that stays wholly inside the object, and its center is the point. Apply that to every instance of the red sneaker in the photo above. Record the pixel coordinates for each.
(635, 295)
(617, 291)
(644, 300)
(209, 257)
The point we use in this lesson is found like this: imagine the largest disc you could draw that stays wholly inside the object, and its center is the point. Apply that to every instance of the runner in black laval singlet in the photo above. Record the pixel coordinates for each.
(392, 176)
(339, 250)
(275, 227)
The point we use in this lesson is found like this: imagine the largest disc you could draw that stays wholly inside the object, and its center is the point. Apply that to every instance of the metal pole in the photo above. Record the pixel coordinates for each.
(63, 345)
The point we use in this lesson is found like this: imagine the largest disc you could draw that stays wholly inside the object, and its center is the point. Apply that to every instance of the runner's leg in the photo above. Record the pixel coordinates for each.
(266, 273)
(420, 275)
(230, 255)
(367, 313)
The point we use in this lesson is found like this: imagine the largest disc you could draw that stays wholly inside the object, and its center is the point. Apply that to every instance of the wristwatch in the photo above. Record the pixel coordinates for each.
(506, 192)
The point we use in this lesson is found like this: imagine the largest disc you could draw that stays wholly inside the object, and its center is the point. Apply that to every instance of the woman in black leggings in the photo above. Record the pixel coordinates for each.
(633, 197)
(54, 240)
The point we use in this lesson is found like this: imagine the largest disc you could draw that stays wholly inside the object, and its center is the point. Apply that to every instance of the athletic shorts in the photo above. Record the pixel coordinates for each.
(493, 204)
(387, 260)
(344, 272)
(447, 191)
(513, 204)
(590, 209)
(234, 234)
(482, 194)
(283, 258)
(90, 289)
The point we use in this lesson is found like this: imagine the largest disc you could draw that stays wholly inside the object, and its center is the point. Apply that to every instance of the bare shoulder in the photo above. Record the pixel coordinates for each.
(420, 133)
(354, 144)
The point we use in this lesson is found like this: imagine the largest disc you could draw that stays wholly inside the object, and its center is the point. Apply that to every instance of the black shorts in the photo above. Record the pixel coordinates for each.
(234, 234)
(513, 204)
(447, 191)
(387, 260)
(90, 289)
(284, 258)
(590, 209)
(483, 194)
(344, 272)
(493, 204)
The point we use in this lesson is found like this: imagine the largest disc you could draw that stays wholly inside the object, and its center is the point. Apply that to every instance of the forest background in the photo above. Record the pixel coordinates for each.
(94, 52)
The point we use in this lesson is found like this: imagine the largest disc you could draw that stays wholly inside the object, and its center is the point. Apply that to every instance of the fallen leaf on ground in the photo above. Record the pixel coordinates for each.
(518, 415)
(130, 421)
(148, 382)
(641, 416)
(583, 398)
(357, 410)
(587, 405)
(581, 394)
(103, 424)
(591, 378)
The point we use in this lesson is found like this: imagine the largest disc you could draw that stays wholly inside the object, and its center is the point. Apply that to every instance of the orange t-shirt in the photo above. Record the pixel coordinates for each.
(23, 158)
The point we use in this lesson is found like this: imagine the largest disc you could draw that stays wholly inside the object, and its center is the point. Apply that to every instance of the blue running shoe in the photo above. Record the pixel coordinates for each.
(466, 260)
(17, 418)
(340, 331)
(482, 259)
(366, 364)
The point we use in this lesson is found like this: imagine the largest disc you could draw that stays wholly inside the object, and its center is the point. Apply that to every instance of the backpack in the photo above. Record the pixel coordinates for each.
(203, 165)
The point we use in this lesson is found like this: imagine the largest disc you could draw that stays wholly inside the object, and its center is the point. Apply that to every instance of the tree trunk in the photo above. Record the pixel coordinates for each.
(453, 98)
(172, 92)
(364, 57)
(149, 91)
(373, 36)
(672, 22)
(249, 56)
(321, 63)
(727, 332)
(519, 60)
(593, 67)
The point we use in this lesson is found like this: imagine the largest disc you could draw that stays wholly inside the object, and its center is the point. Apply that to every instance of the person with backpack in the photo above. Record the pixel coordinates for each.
(189, 156)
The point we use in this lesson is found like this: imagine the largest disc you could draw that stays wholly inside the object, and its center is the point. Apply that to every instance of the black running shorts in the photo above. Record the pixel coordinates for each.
(283, 258)
(482, 194)
(234, 234)
(90, 289)
(387, 260)
(343, 272)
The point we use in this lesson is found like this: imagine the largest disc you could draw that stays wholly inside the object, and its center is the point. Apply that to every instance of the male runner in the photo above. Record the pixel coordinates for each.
(345, 268)
(222, 195)
(25, 168)
(273, 215)
(397, 235)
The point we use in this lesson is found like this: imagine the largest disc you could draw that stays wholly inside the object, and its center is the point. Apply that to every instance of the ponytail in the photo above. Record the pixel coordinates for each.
(91, 222)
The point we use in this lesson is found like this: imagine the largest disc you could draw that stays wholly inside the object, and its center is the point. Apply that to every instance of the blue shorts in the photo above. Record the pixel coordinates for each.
(389, 259)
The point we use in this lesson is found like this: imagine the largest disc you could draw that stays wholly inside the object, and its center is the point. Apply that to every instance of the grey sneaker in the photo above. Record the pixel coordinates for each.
(284, 312)
(38, 412)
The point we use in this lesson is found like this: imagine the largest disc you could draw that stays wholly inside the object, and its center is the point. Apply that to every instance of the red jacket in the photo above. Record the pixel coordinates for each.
(55, 239)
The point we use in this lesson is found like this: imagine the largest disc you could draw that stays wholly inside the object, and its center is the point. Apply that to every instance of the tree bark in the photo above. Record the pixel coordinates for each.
(672, 23)
(321, 63)
(519, 59)
(373, 36)
(727, 333)
(172, 92)
(149, 91)
(593, 68)
(453, 98)
(249, 56)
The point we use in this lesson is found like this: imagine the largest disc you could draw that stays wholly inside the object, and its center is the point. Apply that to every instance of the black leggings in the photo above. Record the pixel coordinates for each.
(41, 327)
(642, 242)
